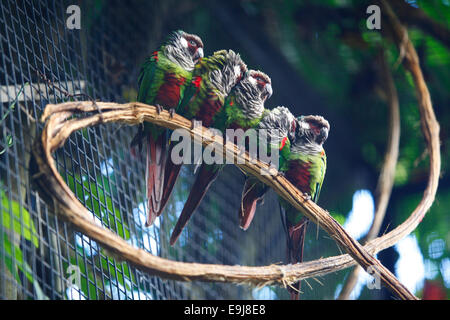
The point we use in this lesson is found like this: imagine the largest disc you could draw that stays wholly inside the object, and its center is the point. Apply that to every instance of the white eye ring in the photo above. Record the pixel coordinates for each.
(184, 42)
(304, 125)
(252, 80)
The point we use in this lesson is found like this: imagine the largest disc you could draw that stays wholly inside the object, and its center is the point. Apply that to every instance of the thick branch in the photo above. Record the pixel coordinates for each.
(58, 129)
(430, 128)
(387, 174)
(418, 18)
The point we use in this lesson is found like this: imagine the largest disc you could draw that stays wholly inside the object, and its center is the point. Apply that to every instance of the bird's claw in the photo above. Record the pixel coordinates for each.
(281, 174)
(307, 196)
(94, 103)
(171, 112)
(159, 108)
(194, 124)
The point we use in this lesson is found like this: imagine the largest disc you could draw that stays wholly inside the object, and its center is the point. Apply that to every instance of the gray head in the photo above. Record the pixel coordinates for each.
(231, 71)
(252, 92)
(312, 132)
(183, 49)
(279, 123)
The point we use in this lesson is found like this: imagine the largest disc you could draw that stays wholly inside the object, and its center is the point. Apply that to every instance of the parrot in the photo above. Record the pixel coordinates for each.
(280, 124)
(243, 109)
(212, 80)
(305, 169)
(162, 82)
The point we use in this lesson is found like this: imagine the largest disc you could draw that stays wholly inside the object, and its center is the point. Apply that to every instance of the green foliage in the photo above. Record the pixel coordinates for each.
(16, 259)
(119, 272)
(97, 197)
(339, 217)
(434, 227)
(87, 277)
(20, 221)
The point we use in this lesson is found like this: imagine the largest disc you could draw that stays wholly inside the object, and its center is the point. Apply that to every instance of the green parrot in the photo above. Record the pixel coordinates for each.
(212, 80)
(280, 124)
(162, 82)
(303, 163)
(243, 109)
(306, 171)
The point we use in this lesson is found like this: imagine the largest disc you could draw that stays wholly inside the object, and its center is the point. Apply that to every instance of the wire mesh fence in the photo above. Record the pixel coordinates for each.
(43, 61)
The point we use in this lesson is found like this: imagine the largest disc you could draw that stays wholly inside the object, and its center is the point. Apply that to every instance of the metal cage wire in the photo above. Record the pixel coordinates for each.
(41, 256)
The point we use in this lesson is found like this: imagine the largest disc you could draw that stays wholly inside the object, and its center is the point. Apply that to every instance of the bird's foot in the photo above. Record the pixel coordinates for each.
(307, 196)
(194, 124)
(159, 108)
(171, 112)
(94, 103)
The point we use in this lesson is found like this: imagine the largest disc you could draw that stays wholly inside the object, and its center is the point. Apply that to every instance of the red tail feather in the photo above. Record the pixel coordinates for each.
(296, 241)
(206, 176)
(156, 161)
(252, 193)
(171, 174)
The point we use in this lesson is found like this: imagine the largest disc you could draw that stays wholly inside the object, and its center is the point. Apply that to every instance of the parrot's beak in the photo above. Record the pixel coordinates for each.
(323, 135)
(198, 55)
(268, 90)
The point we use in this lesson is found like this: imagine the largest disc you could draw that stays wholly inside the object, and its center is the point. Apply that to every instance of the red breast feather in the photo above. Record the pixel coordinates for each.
(208, 109)
(298, 174)
(169, 92)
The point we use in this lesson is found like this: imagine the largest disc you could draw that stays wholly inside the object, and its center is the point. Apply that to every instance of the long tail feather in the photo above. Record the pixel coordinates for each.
(253, 192)
(137, 142)
(171, 174)
(155, 167)
(295, 244)
(206, 176)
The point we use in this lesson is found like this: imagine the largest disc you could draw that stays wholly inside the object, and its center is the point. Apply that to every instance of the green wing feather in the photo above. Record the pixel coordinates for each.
(146, 80)
(189, 93)
(196, 92)
(319, 183)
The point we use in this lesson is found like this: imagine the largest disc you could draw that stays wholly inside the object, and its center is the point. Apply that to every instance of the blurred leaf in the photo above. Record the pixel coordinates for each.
(18, 260)
(22, 222)
(119, 271)
(98, 202)
(339, 217)
(88, 286)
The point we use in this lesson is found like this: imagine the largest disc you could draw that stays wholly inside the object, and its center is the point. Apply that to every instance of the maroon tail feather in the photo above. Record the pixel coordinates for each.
(296, 241)
(155, 164)
(206, 176)
(137, 143)
(171, 174)
(253, 192)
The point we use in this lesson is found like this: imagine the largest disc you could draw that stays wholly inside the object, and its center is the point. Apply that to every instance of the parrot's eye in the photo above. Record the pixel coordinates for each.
(192, 43)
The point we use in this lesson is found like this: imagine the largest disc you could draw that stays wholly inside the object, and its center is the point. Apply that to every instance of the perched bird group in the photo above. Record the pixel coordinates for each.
(222, 93)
